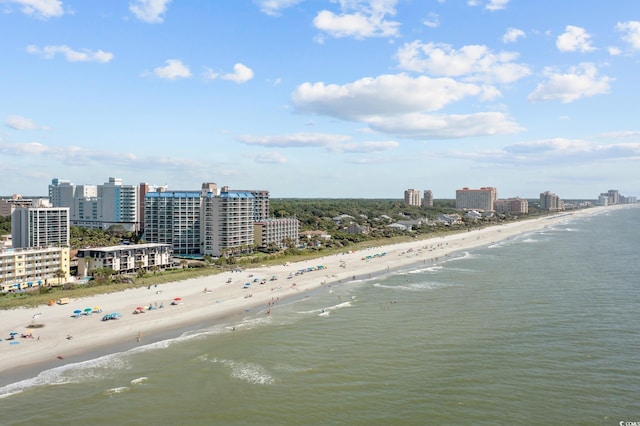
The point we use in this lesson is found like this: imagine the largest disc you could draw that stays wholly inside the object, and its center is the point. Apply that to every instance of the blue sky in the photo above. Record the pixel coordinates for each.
(332, 99)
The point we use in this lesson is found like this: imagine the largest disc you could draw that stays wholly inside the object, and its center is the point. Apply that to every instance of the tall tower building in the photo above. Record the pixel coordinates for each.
(173, 217)
(227, 221)
(476, 199)
(550, 201)
(427, 200)
(40, 227)
(412, 197)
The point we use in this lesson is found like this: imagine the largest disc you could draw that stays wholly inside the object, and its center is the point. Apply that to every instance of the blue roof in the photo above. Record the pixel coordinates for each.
(173, 194)
(236, 194)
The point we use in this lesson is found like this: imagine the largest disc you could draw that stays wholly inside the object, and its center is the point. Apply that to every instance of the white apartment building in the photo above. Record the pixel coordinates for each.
(97, 206)
(173, 217)
(207, 222)
(32, 267)
(40, 227)
(227, 222)
(119, 204)
(124, 258)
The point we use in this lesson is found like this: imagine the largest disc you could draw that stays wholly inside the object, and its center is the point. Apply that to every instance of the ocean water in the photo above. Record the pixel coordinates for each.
(543, 329)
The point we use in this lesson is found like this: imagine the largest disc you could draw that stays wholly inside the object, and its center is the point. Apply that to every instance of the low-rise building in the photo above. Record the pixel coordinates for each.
(125, 258)
(276, 231)
(511, 205)
(32, 267)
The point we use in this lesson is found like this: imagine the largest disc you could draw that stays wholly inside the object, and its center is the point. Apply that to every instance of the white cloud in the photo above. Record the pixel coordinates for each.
(496, 4)
(295, 140)
(29, 148)
(491, 4)
(580, 81)
(473, 62)
(622, 134)
(74, 155)
(241, 74)
(574, 39)
(331, 142)
(630, 33)
(399, 105)
(614, 51)
(425, 126)
(366, 147)
(272, 157)
(273, 7)
(367, 19)
(150, 11)
(572, 150)
(42, 9)
(18, 122)
(83, 55)
(512, 35)
(173, 70)
(432, 20)
(554, 151)
(389, 94)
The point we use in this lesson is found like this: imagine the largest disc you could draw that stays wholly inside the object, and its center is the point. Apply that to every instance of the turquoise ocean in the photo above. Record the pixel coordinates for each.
(543, 329)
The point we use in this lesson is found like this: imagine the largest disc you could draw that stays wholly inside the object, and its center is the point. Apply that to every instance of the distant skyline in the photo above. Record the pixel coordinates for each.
(322, 99)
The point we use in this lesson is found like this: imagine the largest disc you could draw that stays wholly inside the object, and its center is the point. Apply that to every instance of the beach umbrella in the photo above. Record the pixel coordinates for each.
(87, 310)
(77, 311)
(140, 308)
(13, 333)
(177, 298)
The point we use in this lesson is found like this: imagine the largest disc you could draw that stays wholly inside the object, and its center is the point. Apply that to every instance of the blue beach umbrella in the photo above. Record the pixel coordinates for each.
(13, 333)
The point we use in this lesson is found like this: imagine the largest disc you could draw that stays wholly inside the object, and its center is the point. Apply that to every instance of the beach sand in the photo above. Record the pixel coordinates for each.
(64, 338)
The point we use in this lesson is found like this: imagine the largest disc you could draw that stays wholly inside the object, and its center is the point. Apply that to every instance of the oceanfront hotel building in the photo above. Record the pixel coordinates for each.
(476, 199)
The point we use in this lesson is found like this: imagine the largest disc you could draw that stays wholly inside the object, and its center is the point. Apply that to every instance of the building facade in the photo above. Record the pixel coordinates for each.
(427, 199)
(125, 259)
(173, 217)
(119, 204)
(278, 232)
(8, 205)
(32, 267)
(98, 206)
(476, 199)
(412, 197)
(512, 205)
(227, 222)
(40, 227)
(551, 202)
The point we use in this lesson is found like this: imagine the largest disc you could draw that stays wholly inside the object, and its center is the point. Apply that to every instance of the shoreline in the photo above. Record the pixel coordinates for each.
(212, 300)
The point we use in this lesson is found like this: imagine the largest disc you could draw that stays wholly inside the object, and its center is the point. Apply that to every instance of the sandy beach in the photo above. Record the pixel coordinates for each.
(67, 337)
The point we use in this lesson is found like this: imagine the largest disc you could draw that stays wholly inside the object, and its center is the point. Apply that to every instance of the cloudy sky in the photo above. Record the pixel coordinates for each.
(315, 98)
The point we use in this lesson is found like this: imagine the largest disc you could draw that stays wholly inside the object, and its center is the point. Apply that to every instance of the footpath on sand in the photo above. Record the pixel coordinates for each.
(79, 328)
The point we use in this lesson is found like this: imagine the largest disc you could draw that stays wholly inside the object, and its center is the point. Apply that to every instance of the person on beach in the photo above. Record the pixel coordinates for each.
(139, 336)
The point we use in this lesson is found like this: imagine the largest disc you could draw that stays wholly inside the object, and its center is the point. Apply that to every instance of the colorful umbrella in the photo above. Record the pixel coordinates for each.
(178, 298)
